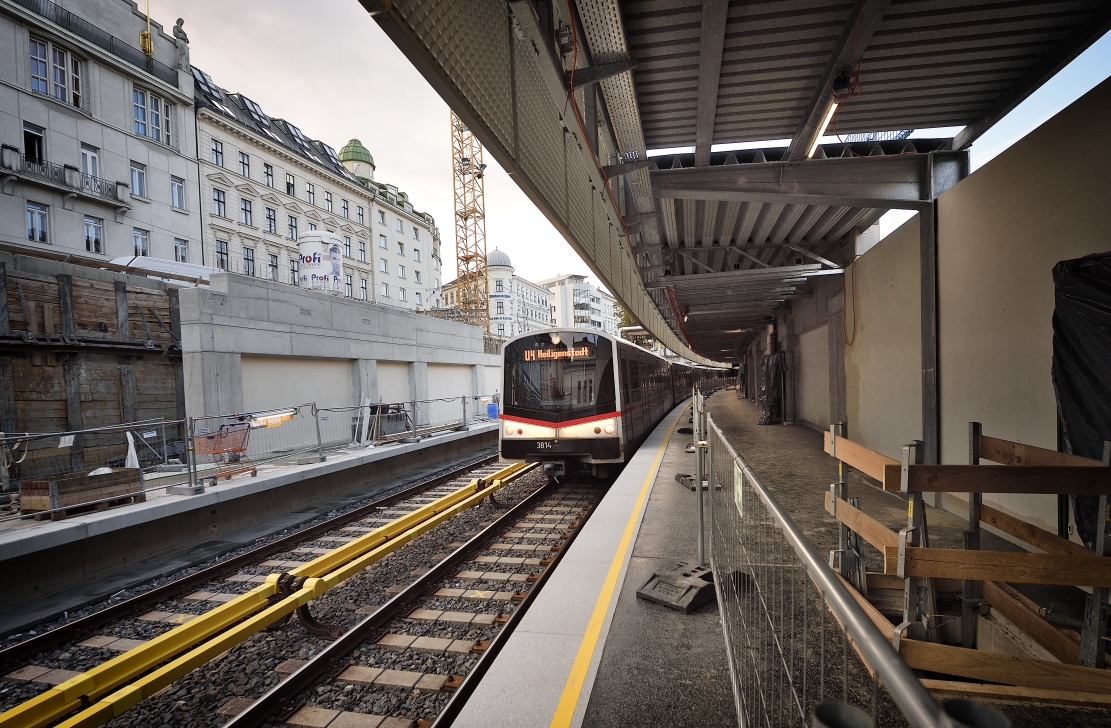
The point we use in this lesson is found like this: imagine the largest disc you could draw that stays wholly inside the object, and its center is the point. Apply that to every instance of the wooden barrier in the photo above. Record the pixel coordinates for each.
(1017, 567)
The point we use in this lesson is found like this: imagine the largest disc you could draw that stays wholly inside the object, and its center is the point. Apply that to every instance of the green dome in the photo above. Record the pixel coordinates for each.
(355, 152)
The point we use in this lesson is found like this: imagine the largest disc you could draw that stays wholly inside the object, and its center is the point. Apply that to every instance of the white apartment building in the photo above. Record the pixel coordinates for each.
(98, 155)
(264, 183)
(576, 303)
(517, 305)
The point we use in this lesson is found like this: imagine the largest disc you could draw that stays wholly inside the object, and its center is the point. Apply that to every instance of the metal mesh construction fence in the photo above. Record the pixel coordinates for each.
(795, 636)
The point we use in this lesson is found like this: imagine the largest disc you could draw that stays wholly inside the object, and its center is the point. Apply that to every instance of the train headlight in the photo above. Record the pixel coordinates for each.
(609, 429)
(509, 429)
(597, 430)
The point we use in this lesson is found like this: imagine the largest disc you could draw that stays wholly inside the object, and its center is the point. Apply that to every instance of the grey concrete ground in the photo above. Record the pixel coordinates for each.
(660, 667)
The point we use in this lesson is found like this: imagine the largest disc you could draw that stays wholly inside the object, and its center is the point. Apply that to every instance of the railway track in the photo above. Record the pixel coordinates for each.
(68, 668)
(417, 658)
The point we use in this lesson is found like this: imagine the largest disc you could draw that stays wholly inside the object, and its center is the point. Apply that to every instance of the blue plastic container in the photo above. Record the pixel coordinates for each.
(492, 410)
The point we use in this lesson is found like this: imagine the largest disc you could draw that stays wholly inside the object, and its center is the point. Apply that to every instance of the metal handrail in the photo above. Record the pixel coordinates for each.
(912, 698)
(56, 174)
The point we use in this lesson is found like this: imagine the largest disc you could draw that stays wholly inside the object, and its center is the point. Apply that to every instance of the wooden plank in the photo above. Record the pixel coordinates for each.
(871, 530)
(7, 395)
(1006, 452)
(1032, 479)
(857, 456)
(1031, 534)
(890, 581)
(72, 378)
(128, 408)
(1005, 599)
(5, 318)
(979, 691)
(1015, 567)
(1005, 669)
(65, 306)
(123, 327)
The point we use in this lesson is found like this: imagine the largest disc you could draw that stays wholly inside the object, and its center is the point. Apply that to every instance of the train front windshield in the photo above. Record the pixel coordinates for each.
(559, 376)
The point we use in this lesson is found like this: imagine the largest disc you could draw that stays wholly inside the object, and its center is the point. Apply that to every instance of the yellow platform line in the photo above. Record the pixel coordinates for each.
(569, 699)
(63, 699)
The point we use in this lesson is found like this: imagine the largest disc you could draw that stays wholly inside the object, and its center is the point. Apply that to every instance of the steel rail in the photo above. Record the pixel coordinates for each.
(915, 702)
(113, 684)
(279, 699)
(80, 628)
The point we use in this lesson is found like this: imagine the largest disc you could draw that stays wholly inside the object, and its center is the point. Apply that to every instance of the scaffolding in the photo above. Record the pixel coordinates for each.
(470, 223)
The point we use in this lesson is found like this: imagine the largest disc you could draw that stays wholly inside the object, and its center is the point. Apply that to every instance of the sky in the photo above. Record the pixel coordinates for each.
(346, 79)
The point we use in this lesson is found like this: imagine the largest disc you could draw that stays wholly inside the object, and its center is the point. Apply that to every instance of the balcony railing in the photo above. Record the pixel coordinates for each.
(84, 29)
(57, 174)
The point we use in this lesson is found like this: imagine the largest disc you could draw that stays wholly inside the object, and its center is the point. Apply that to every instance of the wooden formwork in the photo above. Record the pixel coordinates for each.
(60, 495)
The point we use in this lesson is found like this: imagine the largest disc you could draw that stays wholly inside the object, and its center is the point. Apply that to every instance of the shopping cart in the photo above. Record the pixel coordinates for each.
(228, 447)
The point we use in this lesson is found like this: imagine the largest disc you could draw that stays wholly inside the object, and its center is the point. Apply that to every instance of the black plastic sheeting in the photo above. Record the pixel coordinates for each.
(768, 389)
(1082, 366)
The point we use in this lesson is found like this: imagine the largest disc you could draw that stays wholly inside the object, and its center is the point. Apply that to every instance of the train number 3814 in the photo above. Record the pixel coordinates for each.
(543, 445)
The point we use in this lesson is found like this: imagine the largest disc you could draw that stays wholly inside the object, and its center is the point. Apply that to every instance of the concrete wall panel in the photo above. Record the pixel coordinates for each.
(884, 354)
(812, 398)
(1000, 233)
(393, 381)
(270, 382)
(448, 380)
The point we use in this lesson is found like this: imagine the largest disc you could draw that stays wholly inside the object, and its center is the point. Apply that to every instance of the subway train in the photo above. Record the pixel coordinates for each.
(581, 401)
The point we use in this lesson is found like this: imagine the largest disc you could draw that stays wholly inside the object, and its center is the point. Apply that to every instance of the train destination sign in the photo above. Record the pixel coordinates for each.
(582, 352)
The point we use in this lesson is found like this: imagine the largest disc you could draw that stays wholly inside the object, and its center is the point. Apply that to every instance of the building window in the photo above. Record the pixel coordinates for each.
(294, 269)
(218, 203)
(385, 290)
(362, 251)
(181, 250)
(416, 233)
(401, 248)
(218, 152)
(501, 329)
(94, 234)
(268, 174)
(416, 254)
(400, 271)
(245, 215)
(141, 239)
(418, 298)
(400, 226)
(244, 164)
(90, 161)
(381, 217)
(221, 254)
(312, 226)
(382, 242)
(39, 81)
(328, 201)
(501, 308)
(272, 267)
(138, 179)
(248, 261)
(345, 210)
(498, 285)
(346, 246)
(310, 193)
(151, 119)
(65, 80)
(348, 287)
(292, 227)
(290, 188)
(360, 216)
(401, 294)
(271, 220)
(34, 147)
(384, 265)
(416, 276)
(177, 192)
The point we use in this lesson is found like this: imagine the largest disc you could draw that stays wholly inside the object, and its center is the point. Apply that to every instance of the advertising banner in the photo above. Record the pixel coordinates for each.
(321, 261)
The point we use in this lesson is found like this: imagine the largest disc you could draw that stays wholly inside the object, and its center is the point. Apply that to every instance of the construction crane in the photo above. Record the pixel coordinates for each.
(470, 224)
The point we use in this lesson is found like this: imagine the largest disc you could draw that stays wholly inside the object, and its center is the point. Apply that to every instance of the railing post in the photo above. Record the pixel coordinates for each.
(699, 444)
(319, 439)
(464, 398)
(413, 417)
(190, 452)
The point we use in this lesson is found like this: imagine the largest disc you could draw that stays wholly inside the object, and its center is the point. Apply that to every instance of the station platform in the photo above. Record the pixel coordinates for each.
(53, 566)
(590, 652)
